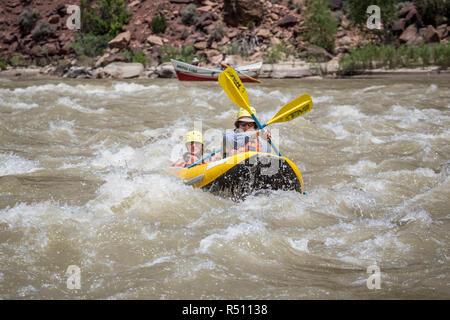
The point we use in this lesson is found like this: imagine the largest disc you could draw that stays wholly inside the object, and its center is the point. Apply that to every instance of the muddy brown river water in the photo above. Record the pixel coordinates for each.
(82, 184)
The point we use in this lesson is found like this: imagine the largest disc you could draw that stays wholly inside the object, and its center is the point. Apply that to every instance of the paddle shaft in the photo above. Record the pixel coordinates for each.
(204, 158)
(260, 127)
(251, 78)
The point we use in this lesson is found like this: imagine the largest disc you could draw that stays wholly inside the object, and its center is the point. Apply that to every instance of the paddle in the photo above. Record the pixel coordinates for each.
(297, 107)
(243, 73)
(230, 82)
(293, 109)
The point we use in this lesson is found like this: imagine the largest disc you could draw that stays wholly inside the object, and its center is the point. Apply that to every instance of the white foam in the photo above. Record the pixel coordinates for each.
(373, 88)
(323, 98)
(361, 167)
(123, 157)
(331, 242)
(133, 87)
(231, 233)
(229, 114)
(381, 244)
(71, 103)
(300, 245)
(19, 105)
(11, 164)
(345, 112)
(375, 186)
(417, 216)
(62, 126)
(26, 290)
(338, 130)
(157, 261)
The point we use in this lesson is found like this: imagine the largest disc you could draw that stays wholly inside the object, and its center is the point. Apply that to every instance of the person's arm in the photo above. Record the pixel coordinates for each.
(179, 163)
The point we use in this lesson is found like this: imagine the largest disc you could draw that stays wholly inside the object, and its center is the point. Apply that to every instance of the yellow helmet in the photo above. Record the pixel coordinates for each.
(246, 115)
(194, 136)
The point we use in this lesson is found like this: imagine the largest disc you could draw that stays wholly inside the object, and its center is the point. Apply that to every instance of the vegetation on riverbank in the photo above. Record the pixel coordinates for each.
(390, 57)
(99, 25)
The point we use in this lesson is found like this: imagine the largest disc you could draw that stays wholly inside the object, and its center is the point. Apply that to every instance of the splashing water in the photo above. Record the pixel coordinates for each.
(82, 182)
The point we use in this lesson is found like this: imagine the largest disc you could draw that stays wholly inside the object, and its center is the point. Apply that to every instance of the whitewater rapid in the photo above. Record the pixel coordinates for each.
(82, 183)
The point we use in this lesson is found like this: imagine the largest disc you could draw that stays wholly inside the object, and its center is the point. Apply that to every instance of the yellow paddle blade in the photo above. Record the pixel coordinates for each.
(232, 85)
(244, 74)
(293, 109)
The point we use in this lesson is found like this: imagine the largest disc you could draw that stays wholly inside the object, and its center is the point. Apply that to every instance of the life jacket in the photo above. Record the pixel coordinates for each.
(251, 145)
(190, 159)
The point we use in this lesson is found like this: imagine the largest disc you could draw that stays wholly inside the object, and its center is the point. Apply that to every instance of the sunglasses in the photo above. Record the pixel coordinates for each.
(244, 124)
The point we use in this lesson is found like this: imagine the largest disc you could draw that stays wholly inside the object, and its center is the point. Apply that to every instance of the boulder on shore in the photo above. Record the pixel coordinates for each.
(120, 41)
(166, 70)
(285, 70)
(124, 70)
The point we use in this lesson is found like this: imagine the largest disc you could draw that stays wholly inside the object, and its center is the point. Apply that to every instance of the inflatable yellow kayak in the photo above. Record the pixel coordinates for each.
(240, 175)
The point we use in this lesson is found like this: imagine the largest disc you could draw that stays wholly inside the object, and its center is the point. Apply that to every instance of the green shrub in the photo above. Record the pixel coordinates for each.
(139, 57)
(63, 63)
(218, 32)
(357, 10)
(168, 52)
(425, 53)
(357, 13)
(347, 65)
(185, 53)
(2, 64)
(43, 31)
(189, 15)
(277, 52)
(388, 56)
(441, 54)
(90, 45)
(127, 54)
(273, 55)
(430, 10)
(106, 18)
(236, 48)
(18, 61)
(321, 27)
(158, 24)
(27, 20)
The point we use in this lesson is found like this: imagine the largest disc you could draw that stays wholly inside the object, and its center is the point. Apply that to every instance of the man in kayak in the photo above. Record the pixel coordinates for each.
(195, 147)
(245, 137)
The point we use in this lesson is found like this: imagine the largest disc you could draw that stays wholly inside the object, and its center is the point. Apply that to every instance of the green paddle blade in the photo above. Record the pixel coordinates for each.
(293, 109)
(232, 85)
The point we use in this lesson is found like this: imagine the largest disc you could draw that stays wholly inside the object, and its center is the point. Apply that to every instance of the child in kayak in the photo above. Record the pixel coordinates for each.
(245, 137)
(195, 147)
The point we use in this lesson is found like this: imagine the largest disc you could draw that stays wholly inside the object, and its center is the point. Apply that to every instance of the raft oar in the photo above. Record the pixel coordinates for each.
(297, 107)
(243, 73)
